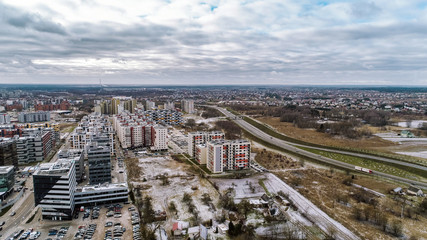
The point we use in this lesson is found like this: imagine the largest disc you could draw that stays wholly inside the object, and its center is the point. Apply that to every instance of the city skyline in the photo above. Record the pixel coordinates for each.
(213, 42)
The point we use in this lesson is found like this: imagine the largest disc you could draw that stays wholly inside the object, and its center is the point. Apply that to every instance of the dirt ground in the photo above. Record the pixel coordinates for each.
(312, 136)
(324, 187)
(275, 161)
(181, 179)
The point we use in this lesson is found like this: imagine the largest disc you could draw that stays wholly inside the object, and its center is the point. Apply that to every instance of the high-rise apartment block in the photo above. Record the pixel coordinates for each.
(197, 138)
(187, 106)
(138, 130)
(228, 155)
(4, 118)
(165, 117)
(95, 128)
(169, 106)
(116, 105)
(149, 105)
(27, 117)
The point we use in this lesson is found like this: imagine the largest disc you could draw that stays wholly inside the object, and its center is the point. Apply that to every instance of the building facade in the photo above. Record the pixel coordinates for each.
(187, 106)
(77, 156)
(197, 138)
(7, 181)
(8, 153)
(4, 118)
(54, 188)
(101, 194)
(27, 117)
(228, 155)
(139, 130)
(99, 161)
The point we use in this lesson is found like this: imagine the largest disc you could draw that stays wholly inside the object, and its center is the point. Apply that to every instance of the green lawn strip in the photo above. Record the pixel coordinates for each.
(4, 210)
(269, 145)
(385, 167)
(265, 128)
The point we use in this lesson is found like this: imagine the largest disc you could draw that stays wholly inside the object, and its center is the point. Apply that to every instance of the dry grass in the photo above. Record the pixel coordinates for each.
(312, 136)
(273, 160)
(323, 187)
(133, 170)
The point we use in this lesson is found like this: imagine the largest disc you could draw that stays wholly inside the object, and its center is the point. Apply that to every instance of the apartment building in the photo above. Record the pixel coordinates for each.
(8, 152)
(116, 105)
(187, 106)
(36, 144)
(99, 161)
(138, 130)
(94, 128)
(169, 106)
(54, 188)
(160, 136)
(201, 153)
(149, 105)
(29, 117)
(228, 155)
(4, 118)
(197, 138)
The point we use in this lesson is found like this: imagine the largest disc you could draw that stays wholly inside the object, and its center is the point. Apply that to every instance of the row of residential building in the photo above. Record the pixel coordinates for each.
(116, 105)
(139, 130)
(29, 117)
(27, 145)
(94, 128)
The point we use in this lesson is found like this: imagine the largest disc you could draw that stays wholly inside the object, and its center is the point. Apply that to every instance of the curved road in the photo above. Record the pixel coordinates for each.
(285, 145)
(362, 155)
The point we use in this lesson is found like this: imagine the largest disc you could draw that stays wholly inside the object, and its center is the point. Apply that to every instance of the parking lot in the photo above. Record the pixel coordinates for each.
(108, 221)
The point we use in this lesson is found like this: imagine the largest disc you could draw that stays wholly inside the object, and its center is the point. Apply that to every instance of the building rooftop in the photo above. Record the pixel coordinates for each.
(101, 187)
(5, 169)
(60, 167)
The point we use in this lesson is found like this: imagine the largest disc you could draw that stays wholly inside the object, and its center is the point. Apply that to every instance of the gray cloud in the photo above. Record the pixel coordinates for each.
(249, 47)
(364, 10)
(19, 19)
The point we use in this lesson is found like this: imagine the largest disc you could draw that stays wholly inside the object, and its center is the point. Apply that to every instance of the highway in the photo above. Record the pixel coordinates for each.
(361, 155)
(292, 148)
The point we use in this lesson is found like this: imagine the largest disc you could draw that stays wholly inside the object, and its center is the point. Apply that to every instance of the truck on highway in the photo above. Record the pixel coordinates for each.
(366, 170)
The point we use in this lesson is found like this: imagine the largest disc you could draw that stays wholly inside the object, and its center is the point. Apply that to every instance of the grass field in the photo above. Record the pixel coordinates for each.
(271, 131)
(367, 163)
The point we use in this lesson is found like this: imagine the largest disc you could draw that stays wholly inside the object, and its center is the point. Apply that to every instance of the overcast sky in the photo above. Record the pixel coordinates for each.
(382, 42)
